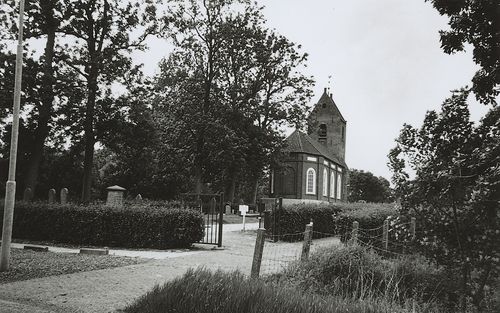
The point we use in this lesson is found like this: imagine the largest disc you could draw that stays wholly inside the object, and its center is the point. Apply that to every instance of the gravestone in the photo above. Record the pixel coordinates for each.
(64, 195)
(52, 196)
(28, 194)
(115, 196)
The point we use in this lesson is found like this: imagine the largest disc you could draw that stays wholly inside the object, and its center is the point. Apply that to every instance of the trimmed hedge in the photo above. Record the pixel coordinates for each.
(293, 219)
(331, 218)
(134, 226)
(368, 215)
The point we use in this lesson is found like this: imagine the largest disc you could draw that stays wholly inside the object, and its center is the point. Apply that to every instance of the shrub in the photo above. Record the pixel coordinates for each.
(368, 215)
(292, 219)
(132, 226)
(330, 219)
(202, 291)
(354, 272)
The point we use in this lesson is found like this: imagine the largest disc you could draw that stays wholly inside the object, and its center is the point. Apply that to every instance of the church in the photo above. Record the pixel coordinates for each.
(314, 170)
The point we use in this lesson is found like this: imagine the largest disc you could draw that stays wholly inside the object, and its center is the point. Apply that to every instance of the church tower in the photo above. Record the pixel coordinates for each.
(327, 126)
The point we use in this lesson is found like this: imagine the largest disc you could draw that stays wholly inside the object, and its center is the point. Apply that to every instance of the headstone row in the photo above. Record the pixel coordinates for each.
(28, 195)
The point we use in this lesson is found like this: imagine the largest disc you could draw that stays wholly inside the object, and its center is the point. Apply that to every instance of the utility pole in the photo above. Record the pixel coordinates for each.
(10, 190)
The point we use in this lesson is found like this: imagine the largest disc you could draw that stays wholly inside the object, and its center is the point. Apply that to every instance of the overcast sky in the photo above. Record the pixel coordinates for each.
(385, 60)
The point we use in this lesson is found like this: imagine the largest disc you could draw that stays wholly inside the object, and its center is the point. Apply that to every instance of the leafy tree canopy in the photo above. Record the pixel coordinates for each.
(364, 186)
(456, 190)
(475, 22)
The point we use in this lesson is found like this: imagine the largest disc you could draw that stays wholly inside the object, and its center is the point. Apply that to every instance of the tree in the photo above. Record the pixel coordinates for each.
(239, 82)
(364, 186)
(100, 54)
(476, 23)
(455, 192)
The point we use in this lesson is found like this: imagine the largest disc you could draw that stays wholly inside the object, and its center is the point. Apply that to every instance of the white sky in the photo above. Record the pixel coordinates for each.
(385, 60)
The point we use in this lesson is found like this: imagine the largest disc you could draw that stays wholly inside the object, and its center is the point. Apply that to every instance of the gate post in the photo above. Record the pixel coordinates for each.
(257, 254)
(306, 247)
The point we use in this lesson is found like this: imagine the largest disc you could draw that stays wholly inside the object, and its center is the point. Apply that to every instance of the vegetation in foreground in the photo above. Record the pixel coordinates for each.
(204, 291)
(340, 279)
(26, 264)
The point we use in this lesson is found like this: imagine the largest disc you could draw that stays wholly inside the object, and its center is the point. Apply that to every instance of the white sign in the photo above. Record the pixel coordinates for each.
(243, 209)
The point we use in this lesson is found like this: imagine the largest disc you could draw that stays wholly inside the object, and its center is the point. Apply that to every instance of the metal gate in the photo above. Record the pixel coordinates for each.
(212, 208)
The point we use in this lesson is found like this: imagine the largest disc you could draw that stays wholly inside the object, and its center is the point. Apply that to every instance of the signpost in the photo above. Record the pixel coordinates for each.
(243, 210)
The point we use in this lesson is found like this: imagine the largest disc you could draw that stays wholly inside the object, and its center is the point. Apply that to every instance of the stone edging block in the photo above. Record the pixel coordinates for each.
(104, 251)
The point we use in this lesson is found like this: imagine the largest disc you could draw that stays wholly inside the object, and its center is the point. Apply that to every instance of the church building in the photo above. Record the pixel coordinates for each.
(314, 170)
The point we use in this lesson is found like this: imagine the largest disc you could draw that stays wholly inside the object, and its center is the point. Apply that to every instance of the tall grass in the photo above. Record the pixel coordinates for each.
(358, 274)
(202, 291)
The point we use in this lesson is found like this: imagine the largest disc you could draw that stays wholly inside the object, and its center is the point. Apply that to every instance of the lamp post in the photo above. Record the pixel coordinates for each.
(10, 190)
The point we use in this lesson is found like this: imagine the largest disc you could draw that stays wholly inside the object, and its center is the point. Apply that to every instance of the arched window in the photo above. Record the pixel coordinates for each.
(325, 182)
(311, 182)
(332, 185)
(339, 186)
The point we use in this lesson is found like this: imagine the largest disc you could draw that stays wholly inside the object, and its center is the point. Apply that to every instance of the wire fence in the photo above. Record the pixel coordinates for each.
(280, 251)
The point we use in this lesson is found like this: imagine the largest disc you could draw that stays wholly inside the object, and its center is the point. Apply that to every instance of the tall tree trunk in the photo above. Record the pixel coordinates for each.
(47, 99)
(255, 188)
(198, 178)
(232, 185)
(89, 136)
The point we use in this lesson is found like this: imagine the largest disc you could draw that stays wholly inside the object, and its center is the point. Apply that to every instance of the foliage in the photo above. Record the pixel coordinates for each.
(368, 215)
(354, 272)
(134, 226)
(293, 219)
(210, 292)
(475, 23)
(364, 186)
(100, 55)
(455, 192)
(225, 90)
(330, 218)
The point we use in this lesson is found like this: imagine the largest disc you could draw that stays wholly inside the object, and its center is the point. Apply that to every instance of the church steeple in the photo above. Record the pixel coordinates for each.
(327, 125)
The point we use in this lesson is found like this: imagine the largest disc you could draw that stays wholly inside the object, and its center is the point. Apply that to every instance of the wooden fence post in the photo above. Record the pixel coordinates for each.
(257, 254)
(385, 235)
(306, 247)
(413, 226)
(354, 233)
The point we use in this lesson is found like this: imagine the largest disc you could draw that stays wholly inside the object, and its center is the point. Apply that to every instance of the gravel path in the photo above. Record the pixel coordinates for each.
(111, 289)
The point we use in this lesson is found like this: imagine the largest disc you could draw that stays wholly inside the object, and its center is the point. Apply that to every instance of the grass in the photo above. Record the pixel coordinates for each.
(359, 274)
(202, 291)
(26, 264)
(237, 219)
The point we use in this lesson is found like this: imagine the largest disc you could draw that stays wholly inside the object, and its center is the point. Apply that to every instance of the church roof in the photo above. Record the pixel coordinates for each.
(325, 97)
(303, 143)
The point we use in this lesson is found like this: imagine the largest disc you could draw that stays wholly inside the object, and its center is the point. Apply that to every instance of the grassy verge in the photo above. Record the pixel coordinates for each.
(27, 264)
(202, 291)
(237, 219)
